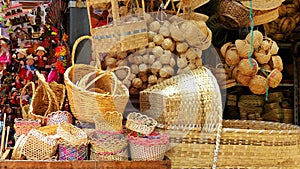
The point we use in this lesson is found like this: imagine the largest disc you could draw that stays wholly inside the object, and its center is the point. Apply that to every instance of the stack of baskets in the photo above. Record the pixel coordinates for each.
(251, 107)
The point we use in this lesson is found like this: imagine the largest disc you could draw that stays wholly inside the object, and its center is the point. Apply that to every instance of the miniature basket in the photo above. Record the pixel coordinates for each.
(148, 148)
(258, 84)
(243, 79)
(86, 104)
(276, 62)
(23, 126)
(71, 134)
(183, 101)
(59, 117)
(108, 146)
(274, 78)
(140, 123)
(246, 68)
(72, 152)
(39, 146)
(120, 35)
(232, 14)
(109, 122)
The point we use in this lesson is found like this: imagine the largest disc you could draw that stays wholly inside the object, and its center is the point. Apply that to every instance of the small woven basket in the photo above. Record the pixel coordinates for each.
(274, 78)
(59, 117)
(140, 123)
(71, 134)
(109, 122)
(108, 146)
(72, 152)
(39, 146)
(258, 84)
(23, 126)
(148, 149)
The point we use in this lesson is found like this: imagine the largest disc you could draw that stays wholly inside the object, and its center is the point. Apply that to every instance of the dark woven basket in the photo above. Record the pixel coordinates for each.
(232, 14)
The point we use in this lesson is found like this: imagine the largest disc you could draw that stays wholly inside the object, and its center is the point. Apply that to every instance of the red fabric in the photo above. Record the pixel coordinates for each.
(23, 73)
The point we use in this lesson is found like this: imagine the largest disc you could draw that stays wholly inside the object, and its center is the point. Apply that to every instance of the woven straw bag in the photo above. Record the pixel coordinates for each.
(148, 149)
(44, 101)
(86, 103)
(120, 35)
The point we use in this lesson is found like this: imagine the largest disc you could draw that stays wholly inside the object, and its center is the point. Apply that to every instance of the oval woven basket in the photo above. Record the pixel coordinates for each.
(85, 103)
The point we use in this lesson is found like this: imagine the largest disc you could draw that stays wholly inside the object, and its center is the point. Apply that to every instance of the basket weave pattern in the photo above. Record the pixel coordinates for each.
(73, 152)
(140, 123)
(59, 117)
(23, 126)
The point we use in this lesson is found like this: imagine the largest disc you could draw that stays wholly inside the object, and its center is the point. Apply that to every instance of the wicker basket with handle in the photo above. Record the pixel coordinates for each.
(120, 35)
(86, 103)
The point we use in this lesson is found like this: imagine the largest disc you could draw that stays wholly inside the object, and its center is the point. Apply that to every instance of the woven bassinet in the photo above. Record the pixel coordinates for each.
(120, 35)
(183, 101)
(85, 103)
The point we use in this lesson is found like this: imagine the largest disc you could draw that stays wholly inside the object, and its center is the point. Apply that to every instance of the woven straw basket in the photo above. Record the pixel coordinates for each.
(183, 101)
(85, 103)
(59, 117)
(109, 122)
(119, 35)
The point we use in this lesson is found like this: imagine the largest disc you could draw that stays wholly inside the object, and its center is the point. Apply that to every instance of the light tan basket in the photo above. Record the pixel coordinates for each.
(71, 134)
(258, 84)
(39, 146)
(140, 123)
(265, 16)
(274, 78)
(84, 103)
(110, 121)
(25, 108)
(118, 35)
(59, 117)
(183, 101)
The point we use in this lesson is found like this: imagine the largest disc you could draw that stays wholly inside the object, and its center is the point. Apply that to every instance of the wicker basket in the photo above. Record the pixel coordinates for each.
(258, 144)
(120, 35)
(39, 146)
(140, 123)
(108, 146)
(84, 103)
(44, 101)
(232, 14)
(59, 117)
(183, 101)
(109, 122)
(147, 148)
(23, 126)
(71, 134)
(72, 152)
(25, 108)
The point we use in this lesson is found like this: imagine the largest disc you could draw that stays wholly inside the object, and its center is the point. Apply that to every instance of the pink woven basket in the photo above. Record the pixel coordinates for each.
(151, 148)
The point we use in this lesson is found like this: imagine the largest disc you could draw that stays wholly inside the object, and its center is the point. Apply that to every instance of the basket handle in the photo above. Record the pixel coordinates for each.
(23, 89)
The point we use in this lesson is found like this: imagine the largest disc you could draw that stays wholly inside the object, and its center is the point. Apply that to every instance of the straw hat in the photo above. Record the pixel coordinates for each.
(41, 48)
(262, 4)
(29, 57)
(22, 51)
(274, 78)
(258, 84)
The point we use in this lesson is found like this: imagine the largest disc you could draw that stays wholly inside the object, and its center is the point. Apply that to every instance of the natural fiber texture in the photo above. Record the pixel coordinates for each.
(71, 134)
(262, 17)
(193, 4)
(25, 108)
(72, 152)
(183, 101)
(107, 142)
(258, 84)
(262, 4)
(60, 93)
(259, 144)
(59, 117)
(232, 14)
(109, 122)
(50, 130)
(118, 156)
(23, 126)
(16, 154)
(140, 123)
(274, 78)
(39, 146)
(148, 149)
(120, 34)
(44, 100)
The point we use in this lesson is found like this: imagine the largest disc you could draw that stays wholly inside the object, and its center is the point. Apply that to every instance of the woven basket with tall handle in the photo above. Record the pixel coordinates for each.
(85, 103)
(120, 34)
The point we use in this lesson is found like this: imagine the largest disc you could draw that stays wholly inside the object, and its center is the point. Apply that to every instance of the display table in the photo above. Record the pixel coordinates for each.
(88, 164)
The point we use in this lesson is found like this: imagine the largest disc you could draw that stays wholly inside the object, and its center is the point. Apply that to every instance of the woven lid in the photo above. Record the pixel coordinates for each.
(262, 4)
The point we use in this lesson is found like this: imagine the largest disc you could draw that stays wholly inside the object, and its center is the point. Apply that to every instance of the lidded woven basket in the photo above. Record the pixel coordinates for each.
(274, 78)
(258, 84)
(248, 67)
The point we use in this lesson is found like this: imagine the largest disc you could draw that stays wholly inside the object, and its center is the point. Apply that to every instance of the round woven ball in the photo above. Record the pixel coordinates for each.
(243, 48)
(258, 84)
(246, 68)
(274, 78)
(276, 62)
(262, 56)
(244, 80)
(232, 58)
